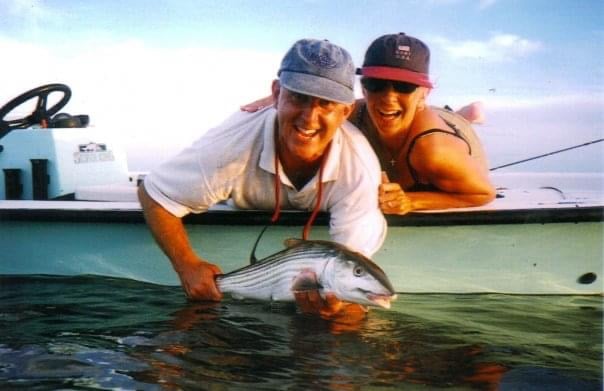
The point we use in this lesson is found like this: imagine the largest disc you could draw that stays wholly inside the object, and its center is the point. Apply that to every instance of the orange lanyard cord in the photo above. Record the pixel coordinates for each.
(277, 186)
(311, 219)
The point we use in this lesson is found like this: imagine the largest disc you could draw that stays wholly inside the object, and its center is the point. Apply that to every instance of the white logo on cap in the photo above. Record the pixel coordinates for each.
(403, 52)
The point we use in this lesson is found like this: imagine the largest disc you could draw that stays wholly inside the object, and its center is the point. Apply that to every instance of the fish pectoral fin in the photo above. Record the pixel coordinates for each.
(306, 281)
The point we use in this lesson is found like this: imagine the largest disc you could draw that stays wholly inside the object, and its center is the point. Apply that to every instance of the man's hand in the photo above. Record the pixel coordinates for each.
(196, 275)
(198, 279)
(392, 198)
(309, 301)
(330, 308)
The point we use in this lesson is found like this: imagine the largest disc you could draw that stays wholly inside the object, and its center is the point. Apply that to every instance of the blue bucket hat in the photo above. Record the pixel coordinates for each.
(320, 69)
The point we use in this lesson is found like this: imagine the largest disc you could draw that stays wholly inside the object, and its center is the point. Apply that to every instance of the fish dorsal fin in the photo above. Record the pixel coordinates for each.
(292, 242)
(253, 259)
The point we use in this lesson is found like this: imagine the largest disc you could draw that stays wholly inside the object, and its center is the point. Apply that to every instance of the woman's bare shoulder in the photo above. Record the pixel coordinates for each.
(428, 119)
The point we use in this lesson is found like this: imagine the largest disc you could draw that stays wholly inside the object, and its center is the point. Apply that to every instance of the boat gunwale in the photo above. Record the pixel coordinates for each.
(227, 216)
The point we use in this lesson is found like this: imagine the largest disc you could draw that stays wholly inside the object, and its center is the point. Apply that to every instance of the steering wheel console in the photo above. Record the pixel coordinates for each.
(41, 114)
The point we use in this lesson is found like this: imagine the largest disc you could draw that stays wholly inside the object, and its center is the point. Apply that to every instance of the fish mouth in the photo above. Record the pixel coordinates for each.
(381, 300)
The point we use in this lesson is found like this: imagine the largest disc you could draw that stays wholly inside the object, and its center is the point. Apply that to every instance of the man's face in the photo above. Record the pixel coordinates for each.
(391, 107)
(307, 124)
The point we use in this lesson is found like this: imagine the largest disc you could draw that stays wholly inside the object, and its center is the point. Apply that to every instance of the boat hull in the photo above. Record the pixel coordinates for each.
(518, 258)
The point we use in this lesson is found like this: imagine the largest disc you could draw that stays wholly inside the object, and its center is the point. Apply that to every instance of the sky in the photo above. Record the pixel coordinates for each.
(159, 73)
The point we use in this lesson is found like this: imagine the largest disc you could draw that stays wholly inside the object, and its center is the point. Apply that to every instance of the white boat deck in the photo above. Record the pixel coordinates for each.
(516, 191)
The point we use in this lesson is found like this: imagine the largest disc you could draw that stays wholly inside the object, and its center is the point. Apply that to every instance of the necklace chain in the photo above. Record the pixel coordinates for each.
(392, 156)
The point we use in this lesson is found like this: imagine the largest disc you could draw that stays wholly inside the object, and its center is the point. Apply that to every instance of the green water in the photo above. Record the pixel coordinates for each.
(97, 332)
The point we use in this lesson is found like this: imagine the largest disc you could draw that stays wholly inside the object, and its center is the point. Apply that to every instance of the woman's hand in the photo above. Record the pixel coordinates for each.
(392, 198)
(258, 104)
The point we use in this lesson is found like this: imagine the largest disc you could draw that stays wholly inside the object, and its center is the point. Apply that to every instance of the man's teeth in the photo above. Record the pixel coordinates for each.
(307, 132)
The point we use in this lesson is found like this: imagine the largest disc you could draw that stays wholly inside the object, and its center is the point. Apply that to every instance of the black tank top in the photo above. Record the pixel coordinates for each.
(360, 118)
(418, 186)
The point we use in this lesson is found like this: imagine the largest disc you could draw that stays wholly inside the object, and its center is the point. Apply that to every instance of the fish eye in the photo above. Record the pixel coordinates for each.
(358, 271)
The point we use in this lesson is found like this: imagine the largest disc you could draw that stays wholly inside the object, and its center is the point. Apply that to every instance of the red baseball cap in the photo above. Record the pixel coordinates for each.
(398, 57)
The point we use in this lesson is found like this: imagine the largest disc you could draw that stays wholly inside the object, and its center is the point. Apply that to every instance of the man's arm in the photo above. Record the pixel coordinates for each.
(197, 276)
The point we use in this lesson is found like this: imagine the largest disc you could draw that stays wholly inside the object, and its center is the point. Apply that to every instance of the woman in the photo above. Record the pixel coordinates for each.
(431, 157)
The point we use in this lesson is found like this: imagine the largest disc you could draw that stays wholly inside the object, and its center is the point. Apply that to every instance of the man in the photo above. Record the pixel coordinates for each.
(300, 148)
(432, 156)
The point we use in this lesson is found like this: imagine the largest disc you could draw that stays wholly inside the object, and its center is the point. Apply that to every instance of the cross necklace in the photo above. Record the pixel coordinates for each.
(388, 155)
(393, 156)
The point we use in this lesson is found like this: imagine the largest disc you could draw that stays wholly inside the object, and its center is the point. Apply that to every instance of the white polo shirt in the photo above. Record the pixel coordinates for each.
(235, 161)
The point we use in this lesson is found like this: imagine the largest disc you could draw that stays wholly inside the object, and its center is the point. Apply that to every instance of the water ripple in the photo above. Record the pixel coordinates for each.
(94, 332)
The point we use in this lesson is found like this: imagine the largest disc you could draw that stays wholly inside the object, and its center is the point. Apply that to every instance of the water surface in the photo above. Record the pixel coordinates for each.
(96, 332)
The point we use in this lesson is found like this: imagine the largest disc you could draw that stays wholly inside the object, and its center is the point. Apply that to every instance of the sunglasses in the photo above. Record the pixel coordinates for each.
(379, 85)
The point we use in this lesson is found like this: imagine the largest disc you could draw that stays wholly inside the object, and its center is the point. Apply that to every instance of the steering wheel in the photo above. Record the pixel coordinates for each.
(40, 114)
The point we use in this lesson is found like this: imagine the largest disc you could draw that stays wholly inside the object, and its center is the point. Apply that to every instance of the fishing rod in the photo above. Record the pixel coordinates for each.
(547, 154)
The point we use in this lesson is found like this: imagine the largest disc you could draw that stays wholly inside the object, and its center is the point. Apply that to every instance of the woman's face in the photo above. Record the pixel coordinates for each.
(392, 105)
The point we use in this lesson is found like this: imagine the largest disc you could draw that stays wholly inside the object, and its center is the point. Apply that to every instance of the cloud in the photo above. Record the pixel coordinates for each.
(483, 4)
(27, 14)
(499, 47)
(557, 103)
(147, 95)
(22, 8)
(522, 99)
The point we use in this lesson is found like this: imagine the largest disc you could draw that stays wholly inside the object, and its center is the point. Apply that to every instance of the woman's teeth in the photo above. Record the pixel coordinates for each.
(392, 113)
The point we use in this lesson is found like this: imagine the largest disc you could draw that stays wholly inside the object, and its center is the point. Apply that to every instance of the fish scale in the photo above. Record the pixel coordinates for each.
(331, 265)
(264, 278)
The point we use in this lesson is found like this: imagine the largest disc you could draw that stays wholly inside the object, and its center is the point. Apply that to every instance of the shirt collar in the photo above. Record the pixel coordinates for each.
(267, 155)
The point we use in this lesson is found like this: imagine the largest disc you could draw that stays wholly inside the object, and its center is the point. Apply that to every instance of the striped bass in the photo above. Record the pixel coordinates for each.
(311, 264)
